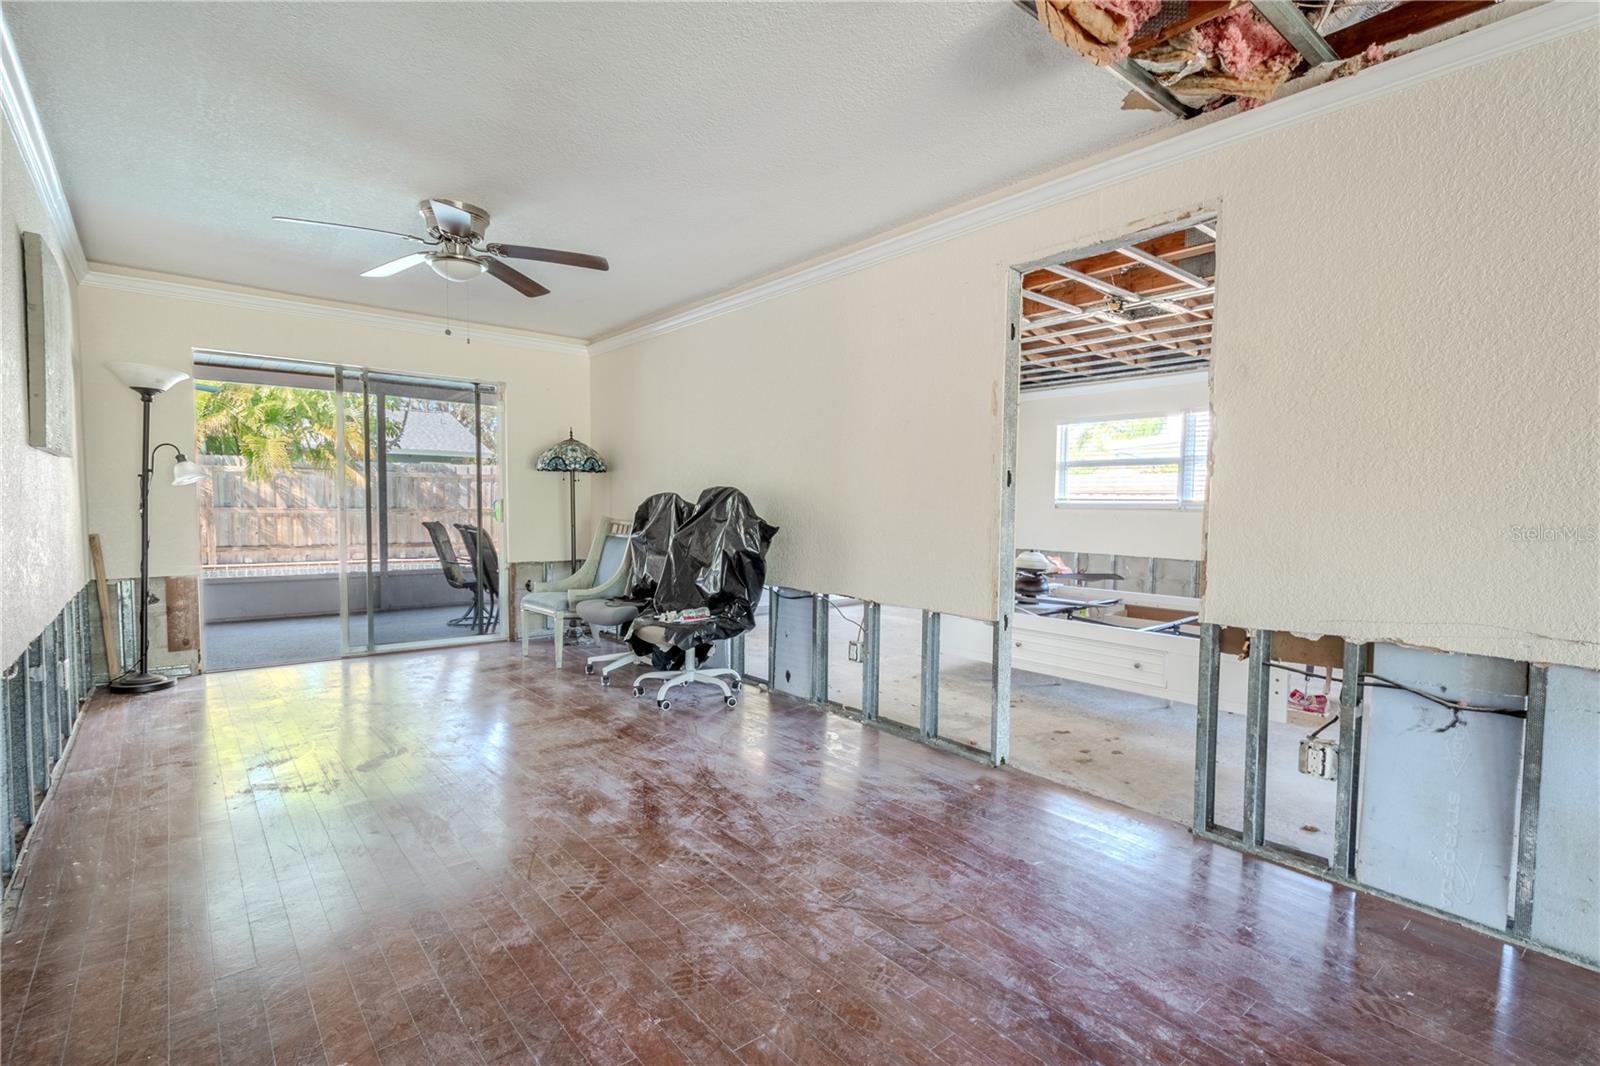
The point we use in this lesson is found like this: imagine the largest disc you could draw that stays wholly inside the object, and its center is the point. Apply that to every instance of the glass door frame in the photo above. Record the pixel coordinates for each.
(343, 376)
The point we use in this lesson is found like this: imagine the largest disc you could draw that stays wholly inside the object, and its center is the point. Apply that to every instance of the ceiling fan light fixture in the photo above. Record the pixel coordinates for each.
(455, 267)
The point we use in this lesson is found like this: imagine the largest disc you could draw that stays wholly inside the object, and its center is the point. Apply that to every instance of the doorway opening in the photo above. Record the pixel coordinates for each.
(1112, 433)
(346, 510)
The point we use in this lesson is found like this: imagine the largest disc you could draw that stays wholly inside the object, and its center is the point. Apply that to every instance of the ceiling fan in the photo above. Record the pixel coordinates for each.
(458, 250)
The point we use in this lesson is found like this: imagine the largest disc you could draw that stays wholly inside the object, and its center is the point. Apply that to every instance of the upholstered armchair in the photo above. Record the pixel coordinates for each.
(603, 575)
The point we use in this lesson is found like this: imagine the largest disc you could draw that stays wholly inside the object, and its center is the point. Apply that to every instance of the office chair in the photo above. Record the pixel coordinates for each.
(715, 566)
(655, 521)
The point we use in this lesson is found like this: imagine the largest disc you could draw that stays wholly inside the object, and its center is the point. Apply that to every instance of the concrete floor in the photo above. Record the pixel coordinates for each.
(1127, 748)
(280, 641)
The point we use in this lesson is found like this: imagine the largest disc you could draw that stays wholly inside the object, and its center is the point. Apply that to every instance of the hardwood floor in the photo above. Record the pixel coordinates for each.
(461, 857)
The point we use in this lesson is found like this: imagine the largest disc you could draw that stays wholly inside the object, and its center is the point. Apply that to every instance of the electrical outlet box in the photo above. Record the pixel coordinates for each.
(855, 651)
(1319, 758)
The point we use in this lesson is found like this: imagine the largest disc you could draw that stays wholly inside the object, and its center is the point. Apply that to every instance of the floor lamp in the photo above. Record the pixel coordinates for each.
(571, 457)
(149, 382)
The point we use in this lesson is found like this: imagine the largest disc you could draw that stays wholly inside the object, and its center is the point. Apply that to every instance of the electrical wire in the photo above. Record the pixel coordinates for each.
(1389, 683)
(861, 630)
(1286, 668)
(1454, 706)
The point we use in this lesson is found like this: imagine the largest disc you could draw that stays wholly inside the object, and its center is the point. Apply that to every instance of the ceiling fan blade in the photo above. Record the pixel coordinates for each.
(346, 225)
(451, 219)
(394, 266)
(550, 255)
(513, 277)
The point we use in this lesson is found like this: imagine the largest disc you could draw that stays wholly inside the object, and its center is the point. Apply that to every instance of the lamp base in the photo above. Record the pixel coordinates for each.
(137, 683)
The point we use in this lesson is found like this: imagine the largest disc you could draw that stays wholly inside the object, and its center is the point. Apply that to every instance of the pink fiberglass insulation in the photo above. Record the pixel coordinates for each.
(1137, 12)
(1242, 40)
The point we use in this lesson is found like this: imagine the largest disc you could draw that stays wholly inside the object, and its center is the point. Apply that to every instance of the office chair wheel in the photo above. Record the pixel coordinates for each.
(638, 691)
(731, 701)
(605, 682)
(735, 684)
(665, 705)
(588, 668)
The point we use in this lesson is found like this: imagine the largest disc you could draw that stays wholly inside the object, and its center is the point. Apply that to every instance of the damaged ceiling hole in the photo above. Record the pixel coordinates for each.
(1192, 56)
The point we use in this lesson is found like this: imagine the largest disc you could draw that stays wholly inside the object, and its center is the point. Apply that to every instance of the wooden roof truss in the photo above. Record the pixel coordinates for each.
(1142, 306)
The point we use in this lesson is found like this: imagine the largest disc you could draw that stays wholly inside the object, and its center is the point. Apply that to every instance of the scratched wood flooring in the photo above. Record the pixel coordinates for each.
(461, 857)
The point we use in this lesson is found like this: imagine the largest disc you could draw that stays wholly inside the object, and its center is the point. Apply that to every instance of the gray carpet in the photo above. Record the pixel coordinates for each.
(274, 642)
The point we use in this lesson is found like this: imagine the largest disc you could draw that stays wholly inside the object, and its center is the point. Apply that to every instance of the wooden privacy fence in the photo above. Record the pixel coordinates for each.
(293, 517)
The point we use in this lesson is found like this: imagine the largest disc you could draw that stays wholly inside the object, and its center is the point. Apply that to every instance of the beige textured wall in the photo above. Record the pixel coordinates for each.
(1420, 267)
(1165, 532)
(545, 393)
(43, 552)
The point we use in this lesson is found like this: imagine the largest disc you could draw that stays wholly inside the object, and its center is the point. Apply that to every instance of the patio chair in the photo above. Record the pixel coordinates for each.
(480, 546)
(454, 575)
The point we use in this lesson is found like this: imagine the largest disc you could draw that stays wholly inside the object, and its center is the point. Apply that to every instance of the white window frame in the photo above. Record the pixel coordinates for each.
(1188, 459)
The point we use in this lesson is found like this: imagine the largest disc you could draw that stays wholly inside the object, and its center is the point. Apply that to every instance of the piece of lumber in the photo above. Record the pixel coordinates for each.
(1288, 648)
(108, 631)
(1399, 21)
(1154, 614)
(1199, 11)
(183, 613)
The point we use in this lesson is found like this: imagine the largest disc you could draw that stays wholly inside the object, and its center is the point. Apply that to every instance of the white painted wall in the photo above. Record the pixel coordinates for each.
(1419, 266)
(1168, 533)
(546, 392)
(43, 551)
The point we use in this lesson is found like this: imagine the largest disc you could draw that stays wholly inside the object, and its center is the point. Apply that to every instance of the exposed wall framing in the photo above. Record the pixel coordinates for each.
(40, 695)
(1341, 869)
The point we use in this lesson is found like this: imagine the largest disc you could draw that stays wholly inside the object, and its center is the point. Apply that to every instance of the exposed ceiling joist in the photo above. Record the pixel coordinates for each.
(1157, 263)
(1402, 20)
(1286, 18)
(1137, 312)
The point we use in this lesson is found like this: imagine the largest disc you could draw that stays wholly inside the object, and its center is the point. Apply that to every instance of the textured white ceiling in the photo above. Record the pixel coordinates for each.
(696, 145)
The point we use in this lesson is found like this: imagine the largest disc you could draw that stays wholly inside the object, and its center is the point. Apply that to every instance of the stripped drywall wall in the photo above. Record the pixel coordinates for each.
(546, 392)
(1163, 532)
(862, 413)
(43, 550)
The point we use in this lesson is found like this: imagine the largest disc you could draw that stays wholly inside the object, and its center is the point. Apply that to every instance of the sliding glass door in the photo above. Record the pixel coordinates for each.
(423, 517)
(346, 510)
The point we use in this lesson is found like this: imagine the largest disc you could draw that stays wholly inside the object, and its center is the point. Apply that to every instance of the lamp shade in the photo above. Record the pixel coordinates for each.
(145, 376)
(187, 472)
(570, 456)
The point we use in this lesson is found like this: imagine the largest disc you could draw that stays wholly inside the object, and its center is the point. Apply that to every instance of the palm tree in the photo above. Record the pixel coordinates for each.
(275, 428)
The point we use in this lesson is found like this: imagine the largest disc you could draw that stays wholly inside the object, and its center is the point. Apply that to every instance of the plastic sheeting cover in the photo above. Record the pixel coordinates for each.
(655, 523)
(716, 560)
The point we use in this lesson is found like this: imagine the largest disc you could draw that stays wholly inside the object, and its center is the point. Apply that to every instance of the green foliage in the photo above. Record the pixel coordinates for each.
(1097, 440)
(275, 428)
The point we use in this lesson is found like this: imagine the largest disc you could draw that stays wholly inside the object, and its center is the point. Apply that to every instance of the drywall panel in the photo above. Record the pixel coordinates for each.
(1439, 788)
(42, 544)
(1167, 533)
(793, 667)
(546, 392)
(1566, 896)
(1396, 456)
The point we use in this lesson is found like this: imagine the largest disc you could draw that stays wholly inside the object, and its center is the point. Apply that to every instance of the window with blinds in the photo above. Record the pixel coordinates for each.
(1151, 460)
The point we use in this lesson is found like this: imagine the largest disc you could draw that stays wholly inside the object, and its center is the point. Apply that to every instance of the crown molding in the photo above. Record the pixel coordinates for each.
(23, 118)
(1511, 34)
(144, 283)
